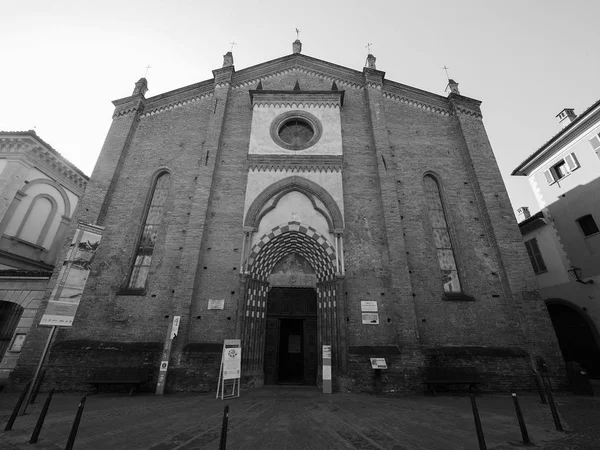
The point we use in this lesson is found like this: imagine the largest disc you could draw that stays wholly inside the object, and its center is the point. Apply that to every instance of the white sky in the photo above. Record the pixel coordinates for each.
(63, 62)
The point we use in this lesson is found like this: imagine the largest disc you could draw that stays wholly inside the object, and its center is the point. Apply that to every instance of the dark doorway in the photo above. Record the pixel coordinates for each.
(291, 336)
(10, 313)
(291, 351)
(575, 337)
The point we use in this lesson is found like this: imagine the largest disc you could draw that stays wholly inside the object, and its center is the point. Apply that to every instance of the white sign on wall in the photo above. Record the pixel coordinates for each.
(368, 306)
(216, 304)
(370, 318)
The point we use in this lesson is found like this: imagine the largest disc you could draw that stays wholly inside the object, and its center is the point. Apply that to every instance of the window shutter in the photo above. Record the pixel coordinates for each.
(572, 162)
(538, 255)
(549, 176)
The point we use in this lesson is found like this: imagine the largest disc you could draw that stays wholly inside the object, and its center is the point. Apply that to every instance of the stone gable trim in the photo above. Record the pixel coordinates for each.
(341, 82)
(290, 163)
(47, 160)
(417, 103)
(152, 111)
(468, 112)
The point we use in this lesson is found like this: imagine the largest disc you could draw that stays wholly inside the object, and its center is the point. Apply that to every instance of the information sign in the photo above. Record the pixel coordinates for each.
(378, 363)
(368, 306)
(370, 318)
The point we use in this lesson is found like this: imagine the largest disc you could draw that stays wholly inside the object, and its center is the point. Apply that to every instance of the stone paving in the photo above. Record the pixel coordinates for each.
(302, 418)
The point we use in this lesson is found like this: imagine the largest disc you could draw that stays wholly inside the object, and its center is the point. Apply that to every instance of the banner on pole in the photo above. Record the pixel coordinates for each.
(73, 276)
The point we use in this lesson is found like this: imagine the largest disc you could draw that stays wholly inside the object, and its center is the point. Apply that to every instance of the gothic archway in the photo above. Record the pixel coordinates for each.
(281, 241)
(268, 199)
(576, 334)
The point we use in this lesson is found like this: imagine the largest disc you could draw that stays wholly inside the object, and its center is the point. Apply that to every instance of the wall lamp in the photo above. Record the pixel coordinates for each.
(575, 273)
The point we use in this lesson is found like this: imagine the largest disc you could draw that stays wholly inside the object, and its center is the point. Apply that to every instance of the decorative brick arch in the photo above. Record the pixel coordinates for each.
(292, 237)
(333, 215)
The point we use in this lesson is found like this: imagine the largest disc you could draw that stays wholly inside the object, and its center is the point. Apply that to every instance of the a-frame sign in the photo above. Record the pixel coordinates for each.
(230, 372)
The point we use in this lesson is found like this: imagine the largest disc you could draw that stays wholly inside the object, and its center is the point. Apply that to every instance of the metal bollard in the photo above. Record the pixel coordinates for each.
(223, 443)
(555, 415)
(15, 412)
(37, 386)
(540, 389)
(40, 421)
(75, 426)
(522, 426)
(480, 437)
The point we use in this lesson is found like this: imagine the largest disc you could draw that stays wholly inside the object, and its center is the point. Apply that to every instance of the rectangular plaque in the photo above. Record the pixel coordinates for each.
(368, 306)
(327, 372)
(370, 318)
(216, 304)
(378, 363)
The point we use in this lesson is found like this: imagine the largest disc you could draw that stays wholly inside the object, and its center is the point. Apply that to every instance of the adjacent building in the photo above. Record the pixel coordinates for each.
(293, 205)
(39, 192)
(563, 239)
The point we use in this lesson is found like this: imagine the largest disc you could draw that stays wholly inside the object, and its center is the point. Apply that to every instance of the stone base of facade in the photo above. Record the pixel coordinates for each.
(71, 364)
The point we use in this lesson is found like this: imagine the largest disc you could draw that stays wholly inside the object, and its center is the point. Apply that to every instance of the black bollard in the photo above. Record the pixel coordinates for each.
(36, 387)
(223, 443)
(40, 421)
(555, 415)
(522, 426)
(480, 437)
(75, 426)
(540, 388)
(15, 412)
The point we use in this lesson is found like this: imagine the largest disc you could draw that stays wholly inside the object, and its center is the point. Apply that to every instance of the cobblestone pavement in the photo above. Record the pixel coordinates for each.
(302, 418)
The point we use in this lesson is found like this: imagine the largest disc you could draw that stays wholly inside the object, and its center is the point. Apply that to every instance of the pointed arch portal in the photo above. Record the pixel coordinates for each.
(315, 248)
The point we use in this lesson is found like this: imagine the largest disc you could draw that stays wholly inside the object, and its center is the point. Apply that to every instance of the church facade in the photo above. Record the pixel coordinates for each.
(296, 204)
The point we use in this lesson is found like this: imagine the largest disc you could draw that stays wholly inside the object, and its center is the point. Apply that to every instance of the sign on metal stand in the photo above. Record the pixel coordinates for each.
(166, 355)
(327, 369)
(230, 372)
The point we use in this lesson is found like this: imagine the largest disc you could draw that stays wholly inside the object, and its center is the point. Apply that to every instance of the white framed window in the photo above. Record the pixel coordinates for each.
(562, 168)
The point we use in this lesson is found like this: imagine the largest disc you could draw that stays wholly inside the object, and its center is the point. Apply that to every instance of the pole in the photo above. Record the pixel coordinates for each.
(39, 366)
(75, 426)
(15, 412)
(539, 387)
(40, 421)
(522, 426)
(223, 443)
(478, 428)
(37, 385)
(555, 415)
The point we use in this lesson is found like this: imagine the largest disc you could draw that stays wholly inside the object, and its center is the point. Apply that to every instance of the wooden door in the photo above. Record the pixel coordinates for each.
(310, 351)
(272, 351)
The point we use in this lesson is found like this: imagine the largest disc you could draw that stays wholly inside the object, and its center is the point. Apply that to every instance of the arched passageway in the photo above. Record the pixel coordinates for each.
(576, 336)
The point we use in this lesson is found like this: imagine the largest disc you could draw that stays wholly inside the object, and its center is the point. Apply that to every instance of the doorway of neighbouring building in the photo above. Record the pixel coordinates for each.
(575, 337)
(10, 313)
(291, 336)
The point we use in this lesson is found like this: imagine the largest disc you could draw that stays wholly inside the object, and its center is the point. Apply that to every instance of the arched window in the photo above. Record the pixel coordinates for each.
(145, 248)
(441, 235)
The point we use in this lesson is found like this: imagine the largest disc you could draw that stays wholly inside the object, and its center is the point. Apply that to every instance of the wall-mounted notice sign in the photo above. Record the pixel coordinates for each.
(378, 363)
(216, 304)
(370, 318)
(368, 306)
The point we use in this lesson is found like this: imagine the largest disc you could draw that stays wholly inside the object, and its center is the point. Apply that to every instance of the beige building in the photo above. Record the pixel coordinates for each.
(39, 191)
(563, 239)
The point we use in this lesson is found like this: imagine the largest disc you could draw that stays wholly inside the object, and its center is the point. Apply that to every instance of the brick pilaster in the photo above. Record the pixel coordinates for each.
(403, 302)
